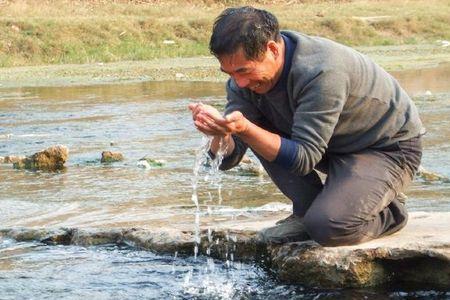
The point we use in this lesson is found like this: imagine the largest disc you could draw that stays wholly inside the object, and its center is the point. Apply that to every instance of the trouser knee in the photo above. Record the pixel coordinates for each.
(331, 232)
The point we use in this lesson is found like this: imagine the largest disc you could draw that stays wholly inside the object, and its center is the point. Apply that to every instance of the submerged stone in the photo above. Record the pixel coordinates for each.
(10, 159)
(50, 159)
(109, 157)
(147, 163)
(249, 167)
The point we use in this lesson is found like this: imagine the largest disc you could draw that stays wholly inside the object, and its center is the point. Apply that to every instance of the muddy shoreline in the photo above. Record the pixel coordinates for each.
(392, 58)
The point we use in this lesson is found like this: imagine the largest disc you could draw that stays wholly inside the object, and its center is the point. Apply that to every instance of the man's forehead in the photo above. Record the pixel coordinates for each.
(237, 57)
(232, 62)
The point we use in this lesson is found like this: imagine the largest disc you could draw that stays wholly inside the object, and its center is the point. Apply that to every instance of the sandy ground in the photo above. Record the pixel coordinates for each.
(392, 58)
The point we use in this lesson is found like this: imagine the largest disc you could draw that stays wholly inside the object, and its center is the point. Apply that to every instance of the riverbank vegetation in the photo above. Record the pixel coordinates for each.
(75, 31)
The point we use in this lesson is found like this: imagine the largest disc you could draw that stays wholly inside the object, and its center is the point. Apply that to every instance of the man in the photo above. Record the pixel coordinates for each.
(303, 104)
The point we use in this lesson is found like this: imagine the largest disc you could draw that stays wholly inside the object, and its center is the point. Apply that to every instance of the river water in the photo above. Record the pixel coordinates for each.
(151, 119)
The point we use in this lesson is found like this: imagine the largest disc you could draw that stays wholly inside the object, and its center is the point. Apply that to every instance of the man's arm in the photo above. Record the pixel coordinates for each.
(319, 108)
(265, 143)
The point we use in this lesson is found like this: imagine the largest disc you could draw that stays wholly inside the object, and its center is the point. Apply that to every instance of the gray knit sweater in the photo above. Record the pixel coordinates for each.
(338, 101)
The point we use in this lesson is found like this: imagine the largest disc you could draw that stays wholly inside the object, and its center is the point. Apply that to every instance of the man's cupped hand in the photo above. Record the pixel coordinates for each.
(210, 121)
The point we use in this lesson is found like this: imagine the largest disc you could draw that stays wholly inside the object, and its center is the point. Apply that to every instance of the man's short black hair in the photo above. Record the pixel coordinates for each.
(245, 27)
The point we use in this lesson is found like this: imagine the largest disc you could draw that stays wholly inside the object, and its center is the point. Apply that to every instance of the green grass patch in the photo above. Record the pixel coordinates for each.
(57, 32)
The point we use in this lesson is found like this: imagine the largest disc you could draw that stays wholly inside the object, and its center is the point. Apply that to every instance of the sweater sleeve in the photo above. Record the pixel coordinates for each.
(319, 104)
(238, 100)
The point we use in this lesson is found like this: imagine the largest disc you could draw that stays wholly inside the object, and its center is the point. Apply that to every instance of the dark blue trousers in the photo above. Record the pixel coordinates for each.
(359, 199)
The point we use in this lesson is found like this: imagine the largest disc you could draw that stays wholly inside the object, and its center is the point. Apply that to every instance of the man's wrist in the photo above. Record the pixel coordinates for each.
(246, 129)
(219, 142)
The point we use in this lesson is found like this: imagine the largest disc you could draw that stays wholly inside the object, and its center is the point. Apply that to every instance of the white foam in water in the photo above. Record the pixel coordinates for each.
(8, 136)
(248, 211)
(187, 277)
(173, 263)
(274, 206)
(196, 249)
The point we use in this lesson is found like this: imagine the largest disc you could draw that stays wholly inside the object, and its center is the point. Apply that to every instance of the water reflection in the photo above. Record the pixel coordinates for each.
(418, 82)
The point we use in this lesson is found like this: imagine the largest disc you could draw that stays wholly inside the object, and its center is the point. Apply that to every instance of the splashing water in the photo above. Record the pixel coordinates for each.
(207, 169)
(208, 166)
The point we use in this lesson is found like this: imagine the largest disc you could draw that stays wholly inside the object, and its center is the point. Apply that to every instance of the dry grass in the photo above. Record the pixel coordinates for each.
(48, 32)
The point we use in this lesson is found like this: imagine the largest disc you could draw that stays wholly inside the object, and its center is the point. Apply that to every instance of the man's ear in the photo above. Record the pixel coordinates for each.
(273, 48)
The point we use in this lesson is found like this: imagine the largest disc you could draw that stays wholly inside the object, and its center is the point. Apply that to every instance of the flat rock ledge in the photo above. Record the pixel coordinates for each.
(417, 256)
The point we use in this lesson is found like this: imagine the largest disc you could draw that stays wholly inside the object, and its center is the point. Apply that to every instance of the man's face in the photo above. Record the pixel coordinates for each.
(260, 76)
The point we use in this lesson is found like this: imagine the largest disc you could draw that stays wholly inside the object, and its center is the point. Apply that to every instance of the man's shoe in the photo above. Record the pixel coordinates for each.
(287, 230)
(288, 219)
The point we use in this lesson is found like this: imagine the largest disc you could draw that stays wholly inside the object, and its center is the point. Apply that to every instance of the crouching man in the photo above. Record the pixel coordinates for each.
(302, 104)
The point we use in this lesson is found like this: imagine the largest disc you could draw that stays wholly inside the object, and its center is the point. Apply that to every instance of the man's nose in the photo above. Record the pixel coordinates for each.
(241, 81)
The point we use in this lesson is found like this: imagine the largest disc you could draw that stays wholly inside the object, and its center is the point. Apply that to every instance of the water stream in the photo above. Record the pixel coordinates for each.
(151, 119)
(206, 174)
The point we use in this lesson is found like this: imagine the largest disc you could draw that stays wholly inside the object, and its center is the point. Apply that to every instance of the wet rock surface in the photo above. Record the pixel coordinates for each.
(418, 255)
(149, 163)
(11, 159)
(50, 159)
(250, 167)
(109, 157)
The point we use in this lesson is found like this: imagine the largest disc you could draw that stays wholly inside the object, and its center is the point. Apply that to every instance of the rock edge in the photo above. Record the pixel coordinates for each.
(422, 261)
